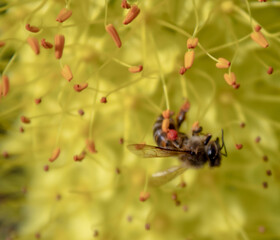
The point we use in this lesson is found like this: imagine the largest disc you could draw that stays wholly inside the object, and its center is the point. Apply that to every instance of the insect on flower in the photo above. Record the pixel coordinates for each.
(193, 152)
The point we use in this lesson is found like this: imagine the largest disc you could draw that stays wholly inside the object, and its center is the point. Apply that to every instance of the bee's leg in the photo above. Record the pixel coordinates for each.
(207, 139)
(181, 116)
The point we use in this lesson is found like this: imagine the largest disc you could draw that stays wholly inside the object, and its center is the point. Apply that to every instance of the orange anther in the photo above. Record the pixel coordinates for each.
(91, 146)
(259, 38)
(132, 14)
(114, 34)
(230, 78)
(32, 28)
(144, 196)
(223, 63)
(2, 44)
(63, 15)
(80, 87)
(125, 4)
(79, 157)
(66, 73)
(165, 124)
(5, 86)
(45, 44)
(25, 120)
(238, 146)
(195, 126)
(189, 58)
(55, 154)
(186, 106)
(37, 100)
(270, 70)
(166, 114)
(257, 28)
(182, 70)
(103, 100)
(136, 69)
(59, 41)
(34, 44)
(192, 43)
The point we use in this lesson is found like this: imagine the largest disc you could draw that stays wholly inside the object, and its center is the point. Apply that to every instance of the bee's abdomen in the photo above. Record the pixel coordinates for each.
(159, 135)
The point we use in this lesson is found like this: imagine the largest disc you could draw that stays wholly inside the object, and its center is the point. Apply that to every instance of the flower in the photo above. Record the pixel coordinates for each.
(65, 170)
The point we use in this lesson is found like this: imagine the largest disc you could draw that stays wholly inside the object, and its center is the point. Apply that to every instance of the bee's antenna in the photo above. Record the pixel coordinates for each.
(223, 145)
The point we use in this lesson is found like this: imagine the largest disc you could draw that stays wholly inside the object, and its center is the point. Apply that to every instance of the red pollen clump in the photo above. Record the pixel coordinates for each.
(172, 135)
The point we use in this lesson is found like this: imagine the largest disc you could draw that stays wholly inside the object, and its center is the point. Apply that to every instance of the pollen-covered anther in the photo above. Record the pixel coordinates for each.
(165, 125)
(55, 154)
(80, 157)
(186, 106)
(230, 78)
(103, 100)
(136, 69)
(238, 146)
(192, 43)
(172, 134)
(260, 39)
(2, 44)
(189, 58)
(182, 70)
(195, 126)
(63, 15)
(59, 41)
(167, 114)
(30, 28)
(270, 70)
(114, 34)
(80, 87)
(257, 28)
(5, 87)
(132, 14)
(46, 45)
(222, 63)
(25, 120)
(34, 44)
(125, 4)
(90, 146)
(37, 100)
(144, 196)
(67, 73)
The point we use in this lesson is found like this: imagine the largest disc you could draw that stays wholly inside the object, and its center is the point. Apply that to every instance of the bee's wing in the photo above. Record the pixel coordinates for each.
(148, 151)
(167, 175)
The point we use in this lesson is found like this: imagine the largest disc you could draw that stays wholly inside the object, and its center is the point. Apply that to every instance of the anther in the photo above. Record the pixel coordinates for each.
(59, 41)
(265, 158)
(5, 154)
(81, 112)
(63, 15)
(37, 100)
(103, 100)
(265, 185)
(259, 38)
(114, 34)
(136, 69)
(2, 44)
(192, 43)
(189, 58)
(182, 70)
(258, 139)
(144, 196)
(268, 172)
(165, 124)
(80, 157)
(166, 114)
(132, 14)
(90, 146)
(6, 85)
(124, 4)
(148, 226)
(223, 63)
(21, 129)
(32, 28)
(242, 125)
(46, 168)
(80, 87)
(230, 78)
(55, 154)
(257, 28)
(238, 146)
(34, 44)
(45, 44)
(25, 120)
(67, 73)
(270, 70)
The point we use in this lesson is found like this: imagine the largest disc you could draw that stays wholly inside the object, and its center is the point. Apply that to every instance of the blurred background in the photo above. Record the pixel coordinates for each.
(67, 174)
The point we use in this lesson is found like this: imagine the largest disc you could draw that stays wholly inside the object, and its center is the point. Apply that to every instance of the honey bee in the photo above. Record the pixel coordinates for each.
(193, 152)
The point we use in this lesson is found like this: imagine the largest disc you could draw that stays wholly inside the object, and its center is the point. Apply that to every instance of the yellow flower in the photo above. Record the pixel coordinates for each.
(66, 172)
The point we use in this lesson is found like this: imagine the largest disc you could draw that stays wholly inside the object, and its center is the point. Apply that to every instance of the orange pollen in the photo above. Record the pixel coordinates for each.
(80, 87)
(114, 34)
(34, 44)
(63, 15)
(136, 69)
(131, 15)
(59, 41)
(45, 44)
(67, 73)
(32, 28)
(189, 58)
(55, 154)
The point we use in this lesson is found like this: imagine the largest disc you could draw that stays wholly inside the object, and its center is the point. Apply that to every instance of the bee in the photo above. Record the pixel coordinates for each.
(193, 152)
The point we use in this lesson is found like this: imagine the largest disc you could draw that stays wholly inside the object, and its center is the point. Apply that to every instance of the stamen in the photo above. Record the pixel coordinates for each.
(223, 63)
(34, 44)
(63, 15)
(6, 86)
(37, 100)
(132, 14)
(259, 38)
(45, 44)
(103, 100)
(182, 70)
(192, 43)
(230, 78)
(270, 70)
(189, 58)
(59, 41)
(114, 34)
(32, 28)
(67, 73)
(55, 154)
(80, 157)
(136, 69)
(80, 87)
(238, 146)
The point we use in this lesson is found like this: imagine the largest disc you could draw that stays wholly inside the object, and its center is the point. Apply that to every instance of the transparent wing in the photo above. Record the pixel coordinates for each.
(148, 151)
(166, 176)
